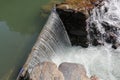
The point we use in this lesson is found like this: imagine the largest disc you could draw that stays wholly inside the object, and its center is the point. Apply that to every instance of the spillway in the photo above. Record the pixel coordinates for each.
(52, 38)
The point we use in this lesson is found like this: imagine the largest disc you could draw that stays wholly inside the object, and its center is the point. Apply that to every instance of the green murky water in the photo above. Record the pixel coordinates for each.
(20, 24)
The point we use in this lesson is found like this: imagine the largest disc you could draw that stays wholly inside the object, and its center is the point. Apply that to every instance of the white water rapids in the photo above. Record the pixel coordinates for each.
(102, 61)
(109, 12)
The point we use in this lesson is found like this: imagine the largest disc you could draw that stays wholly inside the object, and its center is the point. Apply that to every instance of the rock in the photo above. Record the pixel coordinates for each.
(105, 25)
(35, 75)
(75, 24)
(73, 71)
(95, 2)
(46, 71)
(115, 46)
(96, 42)
(80, 5)
(94, 78)
(73, 14)
(66, 71)
(78, 32)
(26, 76)
(63, 6)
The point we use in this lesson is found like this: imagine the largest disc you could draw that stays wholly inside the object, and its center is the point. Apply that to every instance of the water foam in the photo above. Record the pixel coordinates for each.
(108, 11)
(100, 61)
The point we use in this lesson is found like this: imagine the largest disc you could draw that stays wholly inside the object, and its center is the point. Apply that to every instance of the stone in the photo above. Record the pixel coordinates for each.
(78, 32)
(94, 78)
(80, 5)
(65, 71)
(74, 14)
(46, 71)
(115, 46)
(75, 24)
(73, 71)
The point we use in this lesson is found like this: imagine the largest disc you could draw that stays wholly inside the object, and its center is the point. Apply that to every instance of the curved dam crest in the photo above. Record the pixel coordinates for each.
(52, 37)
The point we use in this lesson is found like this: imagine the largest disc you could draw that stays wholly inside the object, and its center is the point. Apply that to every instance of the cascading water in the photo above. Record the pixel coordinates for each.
(103, 28)
(52, 38)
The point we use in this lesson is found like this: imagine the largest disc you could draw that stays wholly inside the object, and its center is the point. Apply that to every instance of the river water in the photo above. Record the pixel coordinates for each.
(20, 24)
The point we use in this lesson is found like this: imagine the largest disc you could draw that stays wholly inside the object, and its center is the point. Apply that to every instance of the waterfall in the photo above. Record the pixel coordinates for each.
(53, 37)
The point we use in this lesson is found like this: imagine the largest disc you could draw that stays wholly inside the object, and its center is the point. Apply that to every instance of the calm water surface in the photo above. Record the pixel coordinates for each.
(20, 24)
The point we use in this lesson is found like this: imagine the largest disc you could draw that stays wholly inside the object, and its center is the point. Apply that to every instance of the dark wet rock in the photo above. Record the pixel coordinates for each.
(75, 24)
(111, 38)
(110, 35)
(105, 25)
(73, 16)
(73, 71)
(95, 35)
(78, 32)
(105, 9)
(46, 71)
(97, 42)
(115, 46)
(25, 77)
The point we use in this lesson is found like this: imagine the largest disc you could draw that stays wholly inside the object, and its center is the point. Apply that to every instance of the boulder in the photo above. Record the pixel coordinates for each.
(46, 71)
(66, 71)
(73, 71)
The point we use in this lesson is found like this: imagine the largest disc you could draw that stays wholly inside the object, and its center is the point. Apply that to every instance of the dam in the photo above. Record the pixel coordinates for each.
(91, 44)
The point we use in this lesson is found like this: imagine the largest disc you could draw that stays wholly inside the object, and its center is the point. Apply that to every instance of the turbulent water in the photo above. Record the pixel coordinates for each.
(102, 61)
(104, 22)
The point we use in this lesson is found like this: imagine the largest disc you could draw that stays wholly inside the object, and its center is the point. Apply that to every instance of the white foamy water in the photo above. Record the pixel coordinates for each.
(103, 62)
(109, 12)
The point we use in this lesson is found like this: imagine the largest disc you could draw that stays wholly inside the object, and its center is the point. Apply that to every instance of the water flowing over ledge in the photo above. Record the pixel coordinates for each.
(53, 37)
(54, 44)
